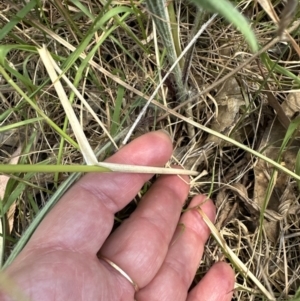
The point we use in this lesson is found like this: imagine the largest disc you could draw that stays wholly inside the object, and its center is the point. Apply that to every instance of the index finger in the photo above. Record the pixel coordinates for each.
(84, 217)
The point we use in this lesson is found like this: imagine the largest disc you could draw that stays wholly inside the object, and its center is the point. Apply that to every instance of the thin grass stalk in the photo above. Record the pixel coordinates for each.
(35, 107)
(175, 31)
(162, 22)
(151, 98)
(239, 265)
(189, 55)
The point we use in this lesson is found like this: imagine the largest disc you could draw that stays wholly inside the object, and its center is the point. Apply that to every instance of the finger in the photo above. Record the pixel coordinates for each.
(84, 217)
(184, 256)
(140, 244)
(217, 284)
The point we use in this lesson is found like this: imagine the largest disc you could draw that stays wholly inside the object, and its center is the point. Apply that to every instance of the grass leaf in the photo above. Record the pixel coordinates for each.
(162, 22)
(297, 168)
(17, 18)
(232, 15)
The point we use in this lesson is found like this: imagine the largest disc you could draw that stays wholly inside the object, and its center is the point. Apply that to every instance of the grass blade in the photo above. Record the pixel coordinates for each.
(232, 15)
(7, 28)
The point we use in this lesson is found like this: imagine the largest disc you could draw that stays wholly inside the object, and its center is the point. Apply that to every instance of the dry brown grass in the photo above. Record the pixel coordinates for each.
(239, 108)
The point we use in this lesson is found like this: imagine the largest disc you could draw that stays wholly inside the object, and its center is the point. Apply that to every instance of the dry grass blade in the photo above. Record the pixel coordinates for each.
(232, 257)
(86, 150)
(109, 60)
(86, 104)
(84, 145)
(286, 17)
(151, 98)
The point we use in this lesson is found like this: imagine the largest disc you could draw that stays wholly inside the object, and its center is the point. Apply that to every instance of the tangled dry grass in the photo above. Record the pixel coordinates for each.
(130, 52)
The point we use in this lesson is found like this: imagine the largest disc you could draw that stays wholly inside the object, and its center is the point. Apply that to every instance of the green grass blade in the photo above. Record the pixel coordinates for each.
(162, 23)
(53, 200)
(16, 19)
(289, 136)
(232, 15)
(45, 168)
(297, 168)
(19, 124)
(34, 106)
(83, 8)
(273, 66)
(117, 111)
(175, 30)
(50, 203)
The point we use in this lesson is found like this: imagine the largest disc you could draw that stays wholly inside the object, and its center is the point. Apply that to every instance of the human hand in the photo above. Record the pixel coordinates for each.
(60, 261)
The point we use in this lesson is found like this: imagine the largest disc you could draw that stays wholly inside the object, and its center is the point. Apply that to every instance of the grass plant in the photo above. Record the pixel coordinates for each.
(76, 78)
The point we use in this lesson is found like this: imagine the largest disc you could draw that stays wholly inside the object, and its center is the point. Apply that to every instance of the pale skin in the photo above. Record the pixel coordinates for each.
(60, 261)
